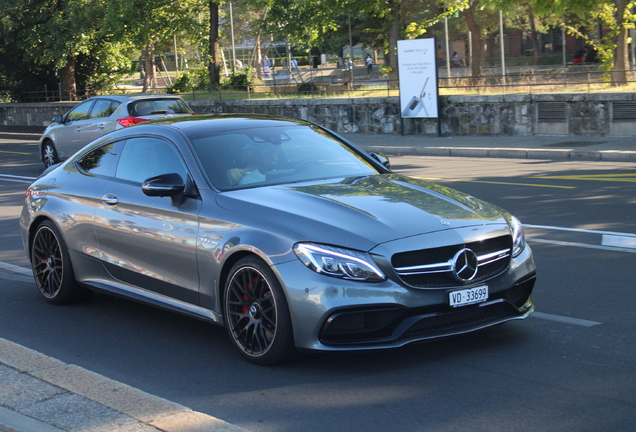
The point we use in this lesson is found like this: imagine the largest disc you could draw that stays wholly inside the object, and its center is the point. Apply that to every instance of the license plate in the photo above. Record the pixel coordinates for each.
(468, 296)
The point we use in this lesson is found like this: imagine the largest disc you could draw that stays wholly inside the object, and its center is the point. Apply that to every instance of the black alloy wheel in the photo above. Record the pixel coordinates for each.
(52, 268)
(256, 313)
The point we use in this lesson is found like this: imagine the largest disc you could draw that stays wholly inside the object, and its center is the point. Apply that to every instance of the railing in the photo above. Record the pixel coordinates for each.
(569, 79)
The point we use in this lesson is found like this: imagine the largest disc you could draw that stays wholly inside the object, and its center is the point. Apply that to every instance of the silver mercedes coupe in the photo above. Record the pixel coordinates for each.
(279, 230)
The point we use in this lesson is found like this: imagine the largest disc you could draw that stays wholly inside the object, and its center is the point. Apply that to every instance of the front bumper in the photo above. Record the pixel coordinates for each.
(331, 314)
(391, 326)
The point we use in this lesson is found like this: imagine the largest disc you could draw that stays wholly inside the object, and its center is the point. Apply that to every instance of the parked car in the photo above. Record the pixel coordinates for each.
(281, 231)
(100, 115)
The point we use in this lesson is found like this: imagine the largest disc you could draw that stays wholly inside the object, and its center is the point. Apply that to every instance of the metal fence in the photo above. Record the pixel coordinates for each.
(569, 79)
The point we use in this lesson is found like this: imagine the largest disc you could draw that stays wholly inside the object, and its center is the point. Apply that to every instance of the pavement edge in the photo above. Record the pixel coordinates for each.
(146, 408)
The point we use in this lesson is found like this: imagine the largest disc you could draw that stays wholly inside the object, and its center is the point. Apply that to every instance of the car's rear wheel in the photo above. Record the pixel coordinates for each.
(52, 267)
(256, 313)
(49, 154)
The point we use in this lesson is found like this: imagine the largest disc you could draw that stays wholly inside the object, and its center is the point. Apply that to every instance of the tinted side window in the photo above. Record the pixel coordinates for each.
(80, 112)
(103, 108)
(158, 106)
(101, 161)
(146, 157)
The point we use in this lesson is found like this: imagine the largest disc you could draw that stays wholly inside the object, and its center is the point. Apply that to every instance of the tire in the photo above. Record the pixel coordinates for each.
(52, 268)
(256, 313)
(49, 154)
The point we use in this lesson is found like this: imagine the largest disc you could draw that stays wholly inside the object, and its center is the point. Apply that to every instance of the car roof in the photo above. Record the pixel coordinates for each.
(211, 123)
(137, 96)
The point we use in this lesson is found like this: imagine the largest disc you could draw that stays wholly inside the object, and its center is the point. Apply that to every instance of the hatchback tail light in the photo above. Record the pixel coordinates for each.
(130, 120)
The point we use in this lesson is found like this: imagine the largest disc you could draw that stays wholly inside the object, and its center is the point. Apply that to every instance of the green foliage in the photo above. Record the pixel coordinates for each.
(241, 80)
(385, 69)
(191, 79)
(307, 87)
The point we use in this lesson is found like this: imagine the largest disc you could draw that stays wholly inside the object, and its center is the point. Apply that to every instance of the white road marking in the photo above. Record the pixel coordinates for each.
(581, 245)
(608, 240)
(17, 179)
(16, 269)
(565, 320)
(619, 241)
(581, 230)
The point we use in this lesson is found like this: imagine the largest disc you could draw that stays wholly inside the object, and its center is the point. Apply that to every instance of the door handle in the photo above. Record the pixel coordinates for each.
(110, 199)
(79, 129)
(101, 126)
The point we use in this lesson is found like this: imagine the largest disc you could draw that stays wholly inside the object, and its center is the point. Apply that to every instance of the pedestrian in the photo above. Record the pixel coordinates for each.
(369, 63)
(267, 64)
(294, 64)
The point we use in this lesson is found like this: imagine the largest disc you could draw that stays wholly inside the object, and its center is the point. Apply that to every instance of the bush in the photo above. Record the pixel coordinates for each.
(307, 87)
(241, 80)
(190, 79)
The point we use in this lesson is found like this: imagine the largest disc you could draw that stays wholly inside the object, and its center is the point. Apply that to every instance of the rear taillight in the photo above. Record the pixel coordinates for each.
(130, 120)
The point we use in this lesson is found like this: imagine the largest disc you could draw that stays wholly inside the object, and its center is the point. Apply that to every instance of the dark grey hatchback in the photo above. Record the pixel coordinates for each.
(277, 229)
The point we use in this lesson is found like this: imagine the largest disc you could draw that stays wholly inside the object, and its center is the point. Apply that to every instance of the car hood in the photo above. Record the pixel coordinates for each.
(361, 212)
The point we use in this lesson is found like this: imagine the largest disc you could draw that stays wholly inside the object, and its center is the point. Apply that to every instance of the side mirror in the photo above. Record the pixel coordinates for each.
(58, 119)
(171, 185)
(380, 157)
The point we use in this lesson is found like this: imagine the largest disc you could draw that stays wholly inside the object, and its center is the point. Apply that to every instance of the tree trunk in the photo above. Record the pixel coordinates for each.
(394, 36)
(67, 80)
(214, 62)
(534, 37)
(149, 67)
(477, 61)
(621, 54)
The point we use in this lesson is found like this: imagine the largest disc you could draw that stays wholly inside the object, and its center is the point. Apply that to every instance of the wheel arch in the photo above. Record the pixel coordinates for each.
(35, 224)
(225, 272)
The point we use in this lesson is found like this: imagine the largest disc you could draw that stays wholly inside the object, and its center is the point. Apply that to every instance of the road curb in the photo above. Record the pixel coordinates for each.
(150, 412)
(507, 153)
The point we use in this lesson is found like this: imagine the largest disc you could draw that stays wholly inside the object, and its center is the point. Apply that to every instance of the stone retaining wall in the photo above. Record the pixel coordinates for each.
(588, 114)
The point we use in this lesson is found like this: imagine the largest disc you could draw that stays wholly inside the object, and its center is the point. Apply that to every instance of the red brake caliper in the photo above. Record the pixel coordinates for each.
(249, 288)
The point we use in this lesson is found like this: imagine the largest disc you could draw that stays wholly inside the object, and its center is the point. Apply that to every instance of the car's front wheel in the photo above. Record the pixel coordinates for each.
(256, 313)
(49, 154)
(52, 267)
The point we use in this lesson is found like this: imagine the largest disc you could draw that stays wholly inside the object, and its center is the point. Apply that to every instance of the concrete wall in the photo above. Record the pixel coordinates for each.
(586, 114)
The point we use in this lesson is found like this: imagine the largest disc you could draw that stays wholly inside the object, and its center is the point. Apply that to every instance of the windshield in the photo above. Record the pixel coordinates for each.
(274, 155)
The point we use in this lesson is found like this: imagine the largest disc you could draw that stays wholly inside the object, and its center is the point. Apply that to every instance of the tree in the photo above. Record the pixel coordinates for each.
(143, 24)
(52, 33)
(57, 42)
(616, 17)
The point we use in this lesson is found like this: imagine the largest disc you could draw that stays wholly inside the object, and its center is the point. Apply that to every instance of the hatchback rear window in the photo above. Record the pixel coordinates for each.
(146, 107)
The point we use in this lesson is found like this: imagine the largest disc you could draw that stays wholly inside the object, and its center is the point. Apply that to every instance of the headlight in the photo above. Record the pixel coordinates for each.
(338, 262)
(518, 237)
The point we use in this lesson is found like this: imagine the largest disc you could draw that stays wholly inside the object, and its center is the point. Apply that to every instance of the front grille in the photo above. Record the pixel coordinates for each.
(384, 325)
(433, 268)
(461, 318)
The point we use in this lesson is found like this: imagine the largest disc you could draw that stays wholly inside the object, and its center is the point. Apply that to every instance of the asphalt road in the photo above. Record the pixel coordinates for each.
(569, 367)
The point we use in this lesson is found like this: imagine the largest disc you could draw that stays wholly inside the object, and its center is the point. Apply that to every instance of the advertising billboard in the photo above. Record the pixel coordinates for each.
(418, 78)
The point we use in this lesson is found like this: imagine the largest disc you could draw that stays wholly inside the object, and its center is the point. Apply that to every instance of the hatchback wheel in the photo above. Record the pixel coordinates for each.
(49, 154)
(52, 268)
(256, 313)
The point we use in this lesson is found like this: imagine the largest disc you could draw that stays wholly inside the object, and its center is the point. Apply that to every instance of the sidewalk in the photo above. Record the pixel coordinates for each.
(41, 394)
(576, 148)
